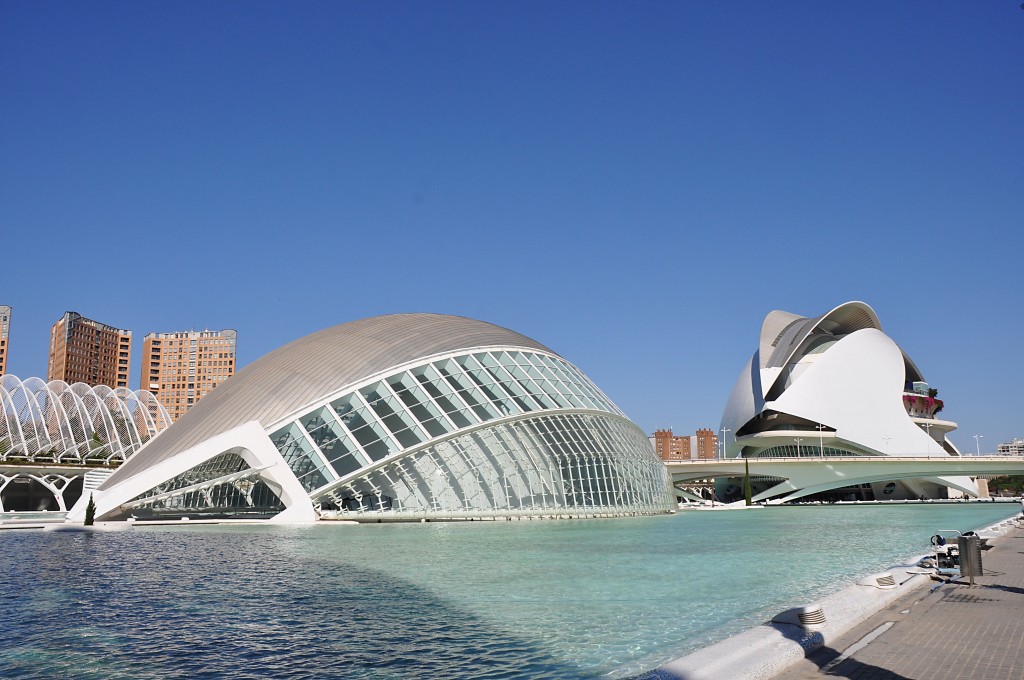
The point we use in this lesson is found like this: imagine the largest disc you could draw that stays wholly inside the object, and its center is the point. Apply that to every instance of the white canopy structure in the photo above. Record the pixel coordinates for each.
(55, 436)
(57, 423)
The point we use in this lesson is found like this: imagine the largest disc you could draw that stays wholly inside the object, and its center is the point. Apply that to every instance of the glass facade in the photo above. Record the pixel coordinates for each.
(803, 451)
(225, 485)
(496, 433)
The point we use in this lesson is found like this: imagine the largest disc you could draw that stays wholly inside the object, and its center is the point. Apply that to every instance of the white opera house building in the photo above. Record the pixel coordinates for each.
(836, 385)
(397, 417)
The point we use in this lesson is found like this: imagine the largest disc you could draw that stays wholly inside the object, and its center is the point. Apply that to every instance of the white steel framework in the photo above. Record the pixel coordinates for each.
(454, 418)
(53, 422)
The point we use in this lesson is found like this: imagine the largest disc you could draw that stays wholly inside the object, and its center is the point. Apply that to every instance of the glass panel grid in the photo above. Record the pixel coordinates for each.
(510, 386)
(550, 462)
(393, 415)
(545, 464)
(298, 453)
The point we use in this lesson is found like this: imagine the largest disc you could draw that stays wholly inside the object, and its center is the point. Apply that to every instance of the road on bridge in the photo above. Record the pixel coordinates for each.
(804, 476)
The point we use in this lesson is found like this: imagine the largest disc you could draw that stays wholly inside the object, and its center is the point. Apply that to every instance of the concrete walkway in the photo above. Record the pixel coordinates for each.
(951, 631)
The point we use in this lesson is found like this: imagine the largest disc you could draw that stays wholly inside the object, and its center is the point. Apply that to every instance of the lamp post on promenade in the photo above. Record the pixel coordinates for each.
(724, 430)
(887, 440)
(798, 440)
(977, 443)
(821, 438)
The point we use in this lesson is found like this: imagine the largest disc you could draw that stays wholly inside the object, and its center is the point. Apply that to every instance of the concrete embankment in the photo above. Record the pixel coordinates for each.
(771, 649)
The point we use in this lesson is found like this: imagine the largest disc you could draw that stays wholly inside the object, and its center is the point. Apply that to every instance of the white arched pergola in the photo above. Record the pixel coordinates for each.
(53, 422)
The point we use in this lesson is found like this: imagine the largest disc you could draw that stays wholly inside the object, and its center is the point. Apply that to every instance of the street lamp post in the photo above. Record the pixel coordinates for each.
(977, 443)
(798, 440)
(928, 429)
(821, 438)
(724, 430)
(887, 440)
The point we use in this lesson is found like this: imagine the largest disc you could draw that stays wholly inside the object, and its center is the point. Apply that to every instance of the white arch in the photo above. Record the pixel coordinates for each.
(74, 418)
(43, 420)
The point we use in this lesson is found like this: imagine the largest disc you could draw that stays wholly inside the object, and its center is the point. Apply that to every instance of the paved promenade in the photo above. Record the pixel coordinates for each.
(950, 632)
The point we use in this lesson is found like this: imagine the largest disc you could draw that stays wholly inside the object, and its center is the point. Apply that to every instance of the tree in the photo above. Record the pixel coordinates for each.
(1013, 484)
(90, 512)
(746, 481)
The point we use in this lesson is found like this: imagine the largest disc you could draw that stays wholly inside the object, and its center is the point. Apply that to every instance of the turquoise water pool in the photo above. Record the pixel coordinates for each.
(557, 599)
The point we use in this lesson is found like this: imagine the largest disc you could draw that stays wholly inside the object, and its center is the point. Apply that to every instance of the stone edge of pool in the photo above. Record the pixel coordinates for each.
(765, 651)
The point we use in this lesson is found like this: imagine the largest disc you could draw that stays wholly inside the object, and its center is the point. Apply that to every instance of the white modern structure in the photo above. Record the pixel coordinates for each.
(408, 416)
(1014, 447)
(835, 385)
(52, 432)
(53, 422)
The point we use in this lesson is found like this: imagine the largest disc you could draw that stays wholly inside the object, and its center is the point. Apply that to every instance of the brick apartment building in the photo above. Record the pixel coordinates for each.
(87, 351)
(699, 446)
(181, 368)
(5, 334)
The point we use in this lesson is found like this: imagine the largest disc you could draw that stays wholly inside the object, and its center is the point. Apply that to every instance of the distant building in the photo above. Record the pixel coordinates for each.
(670, 447)
(87, 351)
(408, 417)
(706, 443)
(5, 333)
(1011, 448)
(702, 445)
(830, 386)
(181, 368)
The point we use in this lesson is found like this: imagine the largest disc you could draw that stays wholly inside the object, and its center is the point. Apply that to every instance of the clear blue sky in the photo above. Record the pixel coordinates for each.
(634, 184)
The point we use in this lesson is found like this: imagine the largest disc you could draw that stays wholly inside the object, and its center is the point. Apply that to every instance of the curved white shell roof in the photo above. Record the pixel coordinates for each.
(310, 368)
(836, 376)
(838, 369)
(782, 333)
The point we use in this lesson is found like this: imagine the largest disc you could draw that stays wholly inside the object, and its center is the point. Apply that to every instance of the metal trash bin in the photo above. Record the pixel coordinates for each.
(970, 556)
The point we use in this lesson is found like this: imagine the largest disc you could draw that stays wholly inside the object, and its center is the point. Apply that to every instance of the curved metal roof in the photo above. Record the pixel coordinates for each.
(319, 364)
(774, 325)
(842, 320)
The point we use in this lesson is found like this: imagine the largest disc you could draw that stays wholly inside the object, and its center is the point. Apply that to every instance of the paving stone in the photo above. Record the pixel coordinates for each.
(954, 631)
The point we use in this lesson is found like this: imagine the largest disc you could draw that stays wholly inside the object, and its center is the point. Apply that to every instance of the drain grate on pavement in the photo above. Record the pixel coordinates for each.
(966, 598)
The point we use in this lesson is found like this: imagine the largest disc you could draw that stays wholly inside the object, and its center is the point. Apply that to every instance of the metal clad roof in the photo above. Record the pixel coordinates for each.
(314, 366)
(771, 329)
(844, 319)
(790, 339)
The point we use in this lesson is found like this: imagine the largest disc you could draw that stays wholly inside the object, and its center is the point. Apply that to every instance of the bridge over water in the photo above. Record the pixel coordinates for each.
(805, 476)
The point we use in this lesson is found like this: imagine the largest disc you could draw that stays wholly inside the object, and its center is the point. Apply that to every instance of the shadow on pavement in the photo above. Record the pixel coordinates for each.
(848, 668)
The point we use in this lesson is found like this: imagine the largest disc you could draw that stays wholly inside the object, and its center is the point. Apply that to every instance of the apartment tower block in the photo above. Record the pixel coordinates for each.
(700, 446)
(87, 351)
(5, 332)
(181, 368)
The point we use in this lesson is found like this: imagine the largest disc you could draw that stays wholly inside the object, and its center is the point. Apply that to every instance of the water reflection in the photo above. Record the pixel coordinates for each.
(213, 604)
(571, 599)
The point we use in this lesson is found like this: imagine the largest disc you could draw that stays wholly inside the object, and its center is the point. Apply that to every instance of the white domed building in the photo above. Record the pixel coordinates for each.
(836, 385)
(398, 417)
